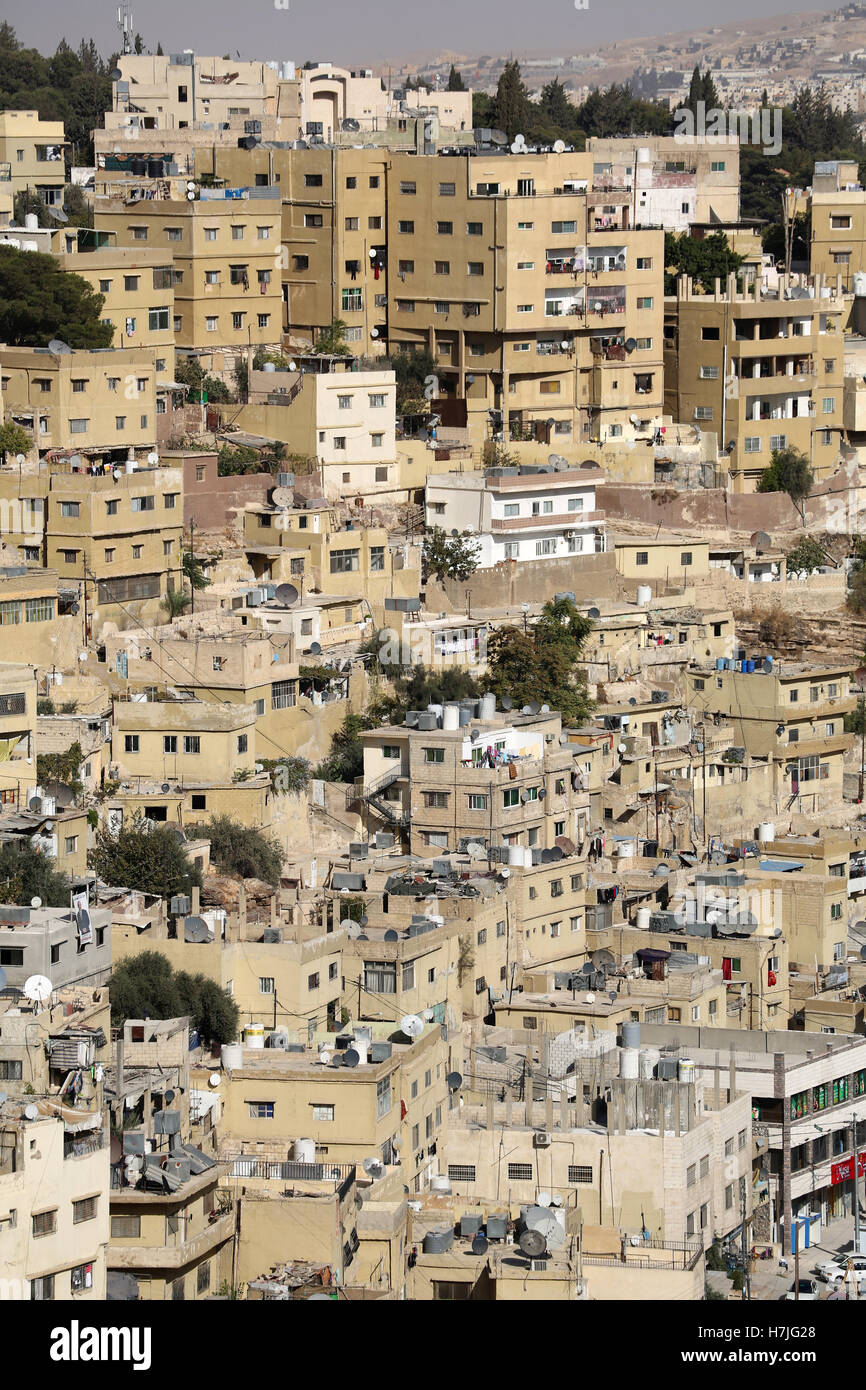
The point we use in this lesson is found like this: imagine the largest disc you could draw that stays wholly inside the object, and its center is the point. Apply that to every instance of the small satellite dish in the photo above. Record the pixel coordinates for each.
(507, 702)
(661, 870)
(374, 1167)
(391, 936)
(195, 929)
(533, 1244)
(165, 787)
(214, 1079)
(479, 1244)
(351, 1058)
(31, 1112)
(116, 75)
(35, 902)
(35, 805)
(412, 1025)
(287, 595)
(593, 613)
(559, 147)
(544, 1199)
(169, 1097)
(556, 1200)
(38, 988)
(58, 347)
(315, 648)
(325, 1058)
(453, 1080)
(347, 924)
(630, 345)
(534, 707)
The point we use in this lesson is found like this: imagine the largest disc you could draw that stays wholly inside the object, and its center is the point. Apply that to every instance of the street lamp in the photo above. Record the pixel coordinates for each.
(860, 678)
(525, 607)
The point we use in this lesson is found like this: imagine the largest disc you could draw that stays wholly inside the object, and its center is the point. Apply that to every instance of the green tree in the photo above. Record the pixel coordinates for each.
(554, 104)
(331, 342)
(705, 261)
(212, 1013)
(40, 301)
(345, 761)
(449, 557)
(511, 104)
(26, 873)
(14, 440)
(79, 212)
(152, 861)
(788, 471)
(542, 663)
(243, 851)
(455, 81)
(144, 986)
(61, 768)
(807, 554)
(176, 602)
(289, 776)
(193, 571)
(411, 371)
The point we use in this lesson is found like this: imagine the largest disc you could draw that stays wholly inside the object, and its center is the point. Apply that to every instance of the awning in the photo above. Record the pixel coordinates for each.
(651, 953)
(74, 1121)
(780, 866)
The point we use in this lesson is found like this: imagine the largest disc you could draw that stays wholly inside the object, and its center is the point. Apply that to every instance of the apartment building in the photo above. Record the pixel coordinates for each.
(137, 286)
(99, 404)
(789, 340)
(838, 208)
(226, 251)
(40, 1043)
(17, 734)
(32, 155)
(181, 91)
(343, 418)
(792, 715)
(182, 740)
(673, 182)
(661, 988)
(55, 942)
(331, 96)
(663, 1157)
(662, 559)
(47, 633)
(53, 1202)
(527, 513)
(497, 779)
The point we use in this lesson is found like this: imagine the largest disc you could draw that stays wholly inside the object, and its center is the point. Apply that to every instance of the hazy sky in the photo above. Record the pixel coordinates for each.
(367, 31)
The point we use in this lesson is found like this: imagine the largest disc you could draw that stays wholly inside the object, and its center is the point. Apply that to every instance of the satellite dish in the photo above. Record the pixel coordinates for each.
(559, 147)
(195, 929)
(507, 702)
(57, 346)
(412, 1025)
(347, 924)
(287, 595)
(603, 959)
(324, 1058)
(315, 648)
(453, 1080)
(351, 1058)
(593, 613)
(116, 75)
(38, 988)
(391, 936)
(475, 850)
(533, 1244)
(31, 1112)
(630, 345)
(165, 787)
(374, 1167)
(556, 1199)
(58, 214)
(544, 1199)
(534, 707)
(35, 805)
(349, 123)
(479, 1244)
(214, 1079)
(35, 902)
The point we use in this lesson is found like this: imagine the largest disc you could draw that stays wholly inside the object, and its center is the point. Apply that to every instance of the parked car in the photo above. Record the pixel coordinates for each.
(833, 1271)
(808, 1290)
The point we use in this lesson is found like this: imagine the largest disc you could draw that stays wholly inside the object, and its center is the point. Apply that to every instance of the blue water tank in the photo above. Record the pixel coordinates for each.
(750, 665)
(720, 663)
(768, 662)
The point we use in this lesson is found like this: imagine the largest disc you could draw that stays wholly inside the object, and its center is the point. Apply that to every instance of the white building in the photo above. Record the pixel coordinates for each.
(519, 514)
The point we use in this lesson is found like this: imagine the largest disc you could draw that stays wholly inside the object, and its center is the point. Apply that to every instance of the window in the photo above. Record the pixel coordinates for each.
(709, 373)
(323, 1113)
(445, 228)
(45, 1223)
(475, 268)
(510, 797)
(120, 422)
(142, 504)
(42, 1289)
(11, 1070)
(434, 755)
(383, 1097)
(476, 228)
(376, 442)
(345, 561)
(442, 267)
(685, 557)
(352, 299)
(191, 743)
(130, 743)
(78, 426)
(644, 301)
(752, 444)
(477, 801)
(199, 801)
(703, 412)
(377, 552)
(84, 1209)
(828, 405)
(312, 219)
(407, 187)
(283, 694)
(435, 800)
(259, 1110)
(641, 557)
(406, 227)
(690, 1175)
(377, 400)
(520, 1172)
(461, 1172)
(71, 844)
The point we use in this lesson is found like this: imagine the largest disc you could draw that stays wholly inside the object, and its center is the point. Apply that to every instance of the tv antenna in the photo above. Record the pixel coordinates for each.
(125, 25)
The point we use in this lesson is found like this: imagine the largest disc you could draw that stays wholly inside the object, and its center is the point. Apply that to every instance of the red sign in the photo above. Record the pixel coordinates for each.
(844, 1172)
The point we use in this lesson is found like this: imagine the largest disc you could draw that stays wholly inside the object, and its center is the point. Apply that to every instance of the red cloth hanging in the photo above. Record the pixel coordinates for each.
(726, 968)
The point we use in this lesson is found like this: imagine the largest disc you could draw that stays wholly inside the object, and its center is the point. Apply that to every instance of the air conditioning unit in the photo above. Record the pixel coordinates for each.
(541, 1139)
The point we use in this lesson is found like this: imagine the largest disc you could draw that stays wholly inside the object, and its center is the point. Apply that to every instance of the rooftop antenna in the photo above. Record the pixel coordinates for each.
(125, 25)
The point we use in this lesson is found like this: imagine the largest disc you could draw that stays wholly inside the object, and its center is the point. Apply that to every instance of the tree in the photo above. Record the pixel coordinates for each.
(192, 569)
(79, 212)
(152, 861)
(61, 768)
(554, 103)
(511, 104)
(331, 341)
(212, 1013)
(411, 372)
(789, 472)
(807, 554)
(542, 663)
(147, 986)
(14, 440)
(26, 873)
(455, 81)
(40, 301)
(345, 761)
(243, 851)
(176, 602)
(706, 261)
(449, 557)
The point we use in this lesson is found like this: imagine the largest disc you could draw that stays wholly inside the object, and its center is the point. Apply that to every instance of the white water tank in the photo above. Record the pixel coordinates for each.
(31, 222)
(649, 1060)
(254, 1035)
(488, 706)
(686, 1069)
(629, 1063)
(515, 856)
(451, 717)
(860, 283)
(643, 918)
(360, 1046)
(305, 1150)
(625, 849)
(766, 831)
(644, 594)
(231, 1056)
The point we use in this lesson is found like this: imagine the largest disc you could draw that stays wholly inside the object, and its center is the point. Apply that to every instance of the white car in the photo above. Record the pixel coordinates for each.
(808, 1291)
(833, 1271)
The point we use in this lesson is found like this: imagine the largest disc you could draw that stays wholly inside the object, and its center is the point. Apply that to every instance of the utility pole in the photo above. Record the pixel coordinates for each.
(747, 1289)
(191, 563)
(862, 741)
(704, 779)
(856, 1192)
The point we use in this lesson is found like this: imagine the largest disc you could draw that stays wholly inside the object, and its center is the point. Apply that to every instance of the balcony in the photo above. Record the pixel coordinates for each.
(558, 520)
(177, 1255)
